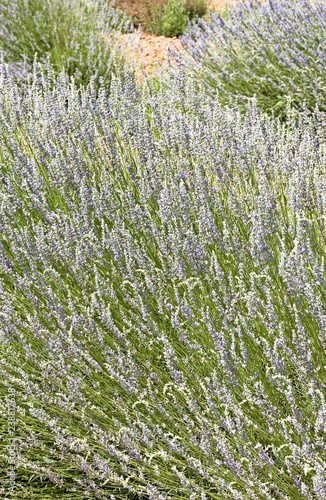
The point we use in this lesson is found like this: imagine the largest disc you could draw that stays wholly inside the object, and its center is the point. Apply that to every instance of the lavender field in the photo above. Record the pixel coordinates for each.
(162, 262)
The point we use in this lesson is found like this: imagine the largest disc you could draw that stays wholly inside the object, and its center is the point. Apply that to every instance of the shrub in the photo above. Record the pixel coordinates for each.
(163, 307)
(274, 50)
(196, 8)
(177, 13)
(174, 20)
(163, 17)
(73, 35)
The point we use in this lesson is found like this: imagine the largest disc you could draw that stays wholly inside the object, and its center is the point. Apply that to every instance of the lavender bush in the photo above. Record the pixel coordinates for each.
(273, 49)
(75, 35)
(162, 294)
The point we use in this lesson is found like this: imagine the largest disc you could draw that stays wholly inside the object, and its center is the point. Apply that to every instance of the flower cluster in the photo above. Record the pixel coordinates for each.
(74, 35)
(162, 293)
(273, 49)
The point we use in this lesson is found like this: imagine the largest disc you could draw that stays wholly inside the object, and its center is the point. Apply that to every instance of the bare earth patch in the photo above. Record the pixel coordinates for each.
(147, 51)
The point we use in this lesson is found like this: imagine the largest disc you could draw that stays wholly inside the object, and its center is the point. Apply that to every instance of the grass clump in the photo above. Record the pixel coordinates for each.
(75, 35)
(172, 21)
(162, 295)
(274, 50)
(170, 18)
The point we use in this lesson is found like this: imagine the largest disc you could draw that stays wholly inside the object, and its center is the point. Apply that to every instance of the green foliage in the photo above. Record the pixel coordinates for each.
(172, 19)
(196, 8)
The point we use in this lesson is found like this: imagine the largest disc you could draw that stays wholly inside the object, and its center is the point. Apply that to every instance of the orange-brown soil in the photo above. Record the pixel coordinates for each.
(147, 51)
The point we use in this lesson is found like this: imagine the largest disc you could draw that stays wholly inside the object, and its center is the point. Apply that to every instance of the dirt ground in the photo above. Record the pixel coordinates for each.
(149, 51)
(216, 5)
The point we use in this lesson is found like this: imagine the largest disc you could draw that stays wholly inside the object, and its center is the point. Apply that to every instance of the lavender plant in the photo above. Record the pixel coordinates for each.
(162, 294)
(273, 49)
(78, 36)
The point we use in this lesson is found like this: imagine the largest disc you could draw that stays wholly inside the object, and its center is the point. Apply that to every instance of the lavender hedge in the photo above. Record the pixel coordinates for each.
(272, 49)
(76, 35)
(162, 295)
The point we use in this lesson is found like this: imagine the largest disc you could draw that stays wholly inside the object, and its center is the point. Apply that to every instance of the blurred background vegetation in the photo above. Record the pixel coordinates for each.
(163, 17)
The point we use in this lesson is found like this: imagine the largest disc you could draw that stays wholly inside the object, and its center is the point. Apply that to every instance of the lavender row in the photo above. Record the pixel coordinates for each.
(162, 294)
(271, 49)
(79, 36)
